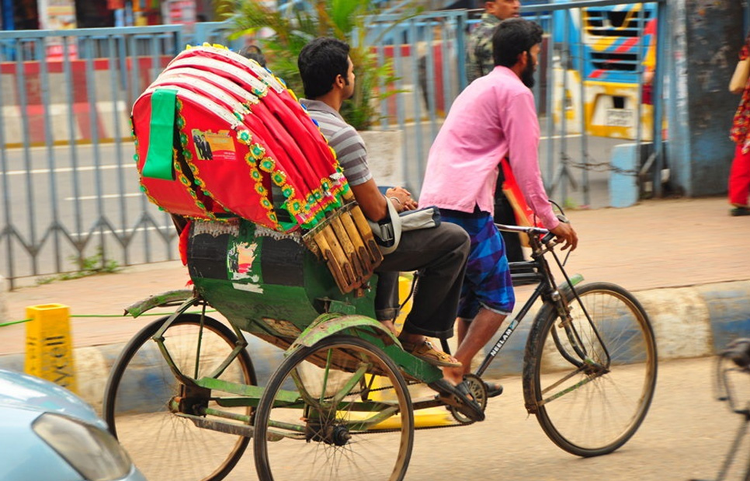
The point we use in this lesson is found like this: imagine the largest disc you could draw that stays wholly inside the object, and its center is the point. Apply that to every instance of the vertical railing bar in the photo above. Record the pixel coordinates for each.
(662, 33)
(582, 112)
(639, 72)
(7, 208)
(23, 104)
(136, 88)
(562, 168)
(430, 74)
(49, 145)
(382, 88)
(446, 30)
(118, 146)
(94, 121)
(416, 102)
(155, 68)
(462, 21)
(123, 58)
(398, 64)
(538, 74)
(72, 142)
(549, 184)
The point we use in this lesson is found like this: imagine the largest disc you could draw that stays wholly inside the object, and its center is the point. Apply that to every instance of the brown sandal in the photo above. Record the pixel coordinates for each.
(426, 352)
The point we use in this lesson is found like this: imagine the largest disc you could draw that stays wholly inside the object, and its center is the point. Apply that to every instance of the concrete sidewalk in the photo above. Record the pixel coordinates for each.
(686, 260)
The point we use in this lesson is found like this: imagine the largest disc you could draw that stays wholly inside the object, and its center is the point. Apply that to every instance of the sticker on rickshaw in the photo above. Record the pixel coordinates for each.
(240, 258)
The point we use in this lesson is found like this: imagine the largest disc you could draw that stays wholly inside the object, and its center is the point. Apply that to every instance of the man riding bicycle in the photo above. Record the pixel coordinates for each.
(492, 118)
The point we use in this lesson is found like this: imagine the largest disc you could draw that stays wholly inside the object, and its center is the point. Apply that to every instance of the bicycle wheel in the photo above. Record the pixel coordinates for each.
(141, 385)
(337, 410)
(586, 404)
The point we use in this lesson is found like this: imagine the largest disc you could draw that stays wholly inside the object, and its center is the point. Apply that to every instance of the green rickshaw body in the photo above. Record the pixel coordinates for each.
(264, 282)
(270, 285)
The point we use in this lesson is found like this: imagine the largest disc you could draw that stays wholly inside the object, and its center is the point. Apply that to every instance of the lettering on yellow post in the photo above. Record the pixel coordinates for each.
(49, 348)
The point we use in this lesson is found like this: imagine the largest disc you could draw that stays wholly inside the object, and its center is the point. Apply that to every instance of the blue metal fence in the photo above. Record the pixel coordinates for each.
(69, 190)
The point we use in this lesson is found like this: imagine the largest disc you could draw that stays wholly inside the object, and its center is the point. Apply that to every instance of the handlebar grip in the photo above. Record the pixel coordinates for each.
(549, 236)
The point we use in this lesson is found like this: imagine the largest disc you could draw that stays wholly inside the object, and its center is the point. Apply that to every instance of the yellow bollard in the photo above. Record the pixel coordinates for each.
(49, 347)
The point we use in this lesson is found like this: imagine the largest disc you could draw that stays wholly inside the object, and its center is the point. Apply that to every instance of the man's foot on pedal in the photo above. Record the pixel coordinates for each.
(459, 397)
(493, 389)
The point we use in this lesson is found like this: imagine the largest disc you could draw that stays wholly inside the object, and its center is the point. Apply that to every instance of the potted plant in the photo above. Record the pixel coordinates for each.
(293, 28)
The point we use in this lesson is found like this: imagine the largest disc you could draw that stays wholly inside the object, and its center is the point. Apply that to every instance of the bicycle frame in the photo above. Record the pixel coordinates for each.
(548, 291)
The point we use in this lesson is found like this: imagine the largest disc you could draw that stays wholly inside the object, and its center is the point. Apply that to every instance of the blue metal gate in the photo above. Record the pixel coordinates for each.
(67, 183)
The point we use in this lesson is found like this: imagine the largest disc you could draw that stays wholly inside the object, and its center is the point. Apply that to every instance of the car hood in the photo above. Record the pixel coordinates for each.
(22, 391)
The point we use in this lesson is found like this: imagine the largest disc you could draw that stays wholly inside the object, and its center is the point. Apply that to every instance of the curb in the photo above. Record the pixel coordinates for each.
(688, 322)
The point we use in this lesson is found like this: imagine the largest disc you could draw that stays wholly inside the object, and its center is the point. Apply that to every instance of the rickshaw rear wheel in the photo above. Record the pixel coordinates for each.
(141, 385)
(339, 409)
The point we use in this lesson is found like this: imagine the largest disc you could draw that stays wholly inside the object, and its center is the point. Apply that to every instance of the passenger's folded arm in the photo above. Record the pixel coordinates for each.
(370, 200)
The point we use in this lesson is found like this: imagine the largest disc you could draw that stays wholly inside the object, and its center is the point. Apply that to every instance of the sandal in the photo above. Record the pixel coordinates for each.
(459, 397)
(493, 389)
(429, 354)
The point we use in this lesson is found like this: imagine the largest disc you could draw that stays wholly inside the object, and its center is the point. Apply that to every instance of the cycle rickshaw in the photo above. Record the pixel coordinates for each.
(339, 405)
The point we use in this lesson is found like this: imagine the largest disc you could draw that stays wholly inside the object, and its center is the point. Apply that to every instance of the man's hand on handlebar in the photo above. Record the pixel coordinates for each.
(565, 233)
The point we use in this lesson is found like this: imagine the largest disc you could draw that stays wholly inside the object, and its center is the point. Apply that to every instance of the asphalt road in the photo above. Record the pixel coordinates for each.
(685, 435)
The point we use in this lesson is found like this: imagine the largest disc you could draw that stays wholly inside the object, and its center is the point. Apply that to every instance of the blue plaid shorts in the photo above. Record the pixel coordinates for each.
(487, 282)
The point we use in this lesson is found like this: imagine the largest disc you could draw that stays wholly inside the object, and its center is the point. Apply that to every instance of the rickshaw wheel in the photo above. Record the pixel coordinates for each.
(337, 410)
(141, 386)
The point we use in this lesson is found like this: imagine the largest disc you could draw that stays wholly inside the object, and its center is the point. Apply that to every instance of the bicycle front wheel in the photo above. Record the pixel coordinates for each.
(339, 410)
(590, 384)
(141, 385)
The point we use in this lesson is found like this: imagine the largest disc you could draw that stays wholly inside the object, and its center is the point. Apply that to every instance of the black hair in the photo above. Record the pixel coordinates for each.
(320, 62)
(253, 52)
(513, 37)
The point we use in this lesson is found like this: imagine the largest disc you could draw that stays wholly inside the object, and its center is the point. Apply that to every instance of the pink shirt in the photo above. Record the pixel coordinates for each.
(492, 118)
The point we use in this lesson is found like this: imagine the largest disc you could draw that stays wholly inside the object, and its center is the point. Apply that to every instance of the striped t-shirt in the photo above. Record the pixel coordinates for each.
(344, 140)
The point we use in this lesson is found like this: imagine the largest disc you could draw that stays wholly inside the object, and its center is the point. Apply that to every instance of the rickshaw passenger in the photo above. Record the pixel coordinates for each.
(438, 253)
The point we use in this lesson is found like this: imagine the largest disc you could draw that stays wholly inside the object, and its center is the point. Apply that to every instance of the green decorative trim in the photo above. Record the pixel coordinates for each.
(158, 163)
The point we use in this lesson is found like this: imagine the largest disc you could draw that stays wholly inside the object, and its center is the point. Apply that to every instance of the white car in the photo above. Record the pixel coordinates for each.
(49, 434)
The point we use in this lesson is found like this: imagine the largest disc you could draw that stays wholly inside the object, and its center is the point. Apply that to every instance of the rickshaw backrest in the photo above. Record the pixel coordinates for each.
(221, 139)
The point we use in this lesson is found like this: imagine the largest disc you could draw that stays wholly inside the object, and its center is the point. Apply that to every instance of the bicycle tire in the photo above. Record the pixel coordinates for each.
(140, 366)
(298, 444)
(591, 414)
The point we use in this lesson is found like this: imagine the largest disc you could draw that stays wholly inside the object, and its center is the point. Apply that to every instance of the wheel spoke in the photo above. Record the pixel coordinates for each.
(141, 387)
(340, 418)
(592, 406)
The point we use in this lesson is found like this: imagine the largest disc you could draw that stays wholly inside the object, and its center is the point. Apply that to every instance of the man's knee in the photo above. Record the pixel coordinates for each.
(457, 238)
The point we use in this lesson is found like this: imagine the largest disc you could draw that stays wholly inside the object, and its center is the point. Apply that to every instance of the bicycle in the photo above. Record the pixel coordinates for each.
(338, 406)
(734, 359)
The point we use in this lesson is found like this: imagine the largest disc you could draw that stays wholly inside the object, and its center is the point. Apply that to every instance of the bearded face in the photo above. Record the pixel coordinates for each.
(527, 76)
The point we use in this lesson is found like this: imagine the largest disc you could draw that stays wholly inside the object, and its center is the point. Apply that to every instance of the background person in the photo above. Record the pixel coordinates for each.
(479, 62)
(253, 52)
(739, 174)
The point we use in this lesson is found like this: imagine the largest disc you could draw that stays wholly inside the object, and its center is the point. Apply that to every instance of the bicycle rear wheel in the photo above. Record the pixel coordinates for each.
(141, 385)
(590, 396)
(339, 410)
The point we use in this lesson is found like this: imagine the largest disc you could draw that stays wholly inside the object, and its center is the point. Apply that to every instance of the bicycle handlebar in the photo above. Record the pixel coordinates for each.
(533, 230)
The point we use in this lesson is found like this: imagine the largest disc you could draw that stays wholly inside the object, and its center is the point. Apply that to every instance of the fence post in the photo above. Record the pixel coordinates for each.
(3, 298)
(49, 347)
